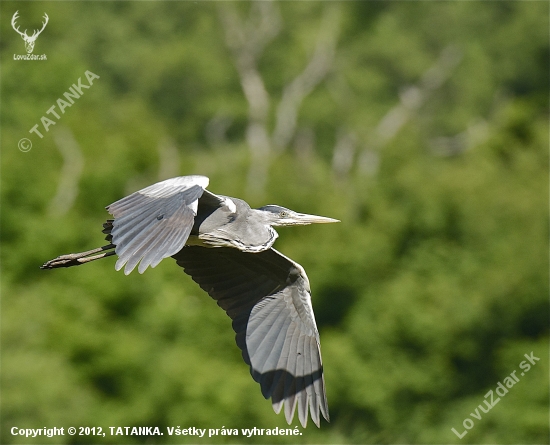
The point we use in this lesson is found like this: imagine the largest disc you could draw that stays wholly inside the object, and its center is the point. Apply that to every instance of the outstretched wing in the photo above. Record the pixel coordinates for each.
(268, 298)
(154, 223)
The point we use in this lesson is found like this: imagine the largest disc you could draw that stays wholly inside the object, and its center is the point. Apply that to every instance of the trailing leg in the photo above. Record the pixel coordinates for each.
(76, 259)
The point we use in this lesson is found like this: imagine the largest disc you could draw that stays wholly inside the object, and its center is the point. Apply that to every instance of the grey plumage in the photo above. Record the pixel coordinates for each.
(226, 247)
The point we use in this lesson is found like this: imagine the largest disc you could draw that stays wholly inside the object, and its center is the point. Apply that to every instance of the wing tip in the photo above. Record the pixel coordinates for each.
(201, 180)
(294, 403)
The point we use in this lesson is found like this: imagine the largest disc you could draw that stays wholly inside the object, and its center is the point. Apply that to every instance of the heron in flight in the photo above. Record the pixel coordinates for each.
(226, 247)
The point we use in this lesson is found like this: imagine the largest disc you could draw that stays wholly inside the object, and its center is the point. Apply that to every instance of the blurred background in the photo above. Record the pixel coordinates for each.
(422, 126)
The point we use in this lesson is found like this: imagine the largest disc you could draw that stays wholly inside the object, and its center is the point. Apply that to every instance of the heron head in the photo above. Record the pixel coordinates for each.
(280, 216)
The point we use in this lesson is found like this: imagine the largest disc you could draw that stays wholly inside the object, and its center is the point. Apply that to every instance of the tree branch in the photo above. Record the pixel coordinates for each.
(246, 40)
(303, 84)
(410, 100)
(73, 163)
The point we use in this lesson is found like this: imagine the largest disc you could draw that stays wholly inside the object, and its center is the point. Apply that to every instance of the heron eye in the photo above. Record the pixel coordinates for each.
(283, 214)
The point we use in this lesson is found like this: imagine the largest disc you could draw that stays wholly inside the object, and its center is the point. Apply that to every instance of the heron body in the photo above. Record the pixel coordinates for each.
(232, 224)
(226, 247)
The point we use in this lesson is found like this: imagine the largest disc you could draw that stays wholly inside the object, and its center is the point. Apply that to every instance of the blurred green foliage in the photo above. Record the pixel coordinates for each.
(429, 292)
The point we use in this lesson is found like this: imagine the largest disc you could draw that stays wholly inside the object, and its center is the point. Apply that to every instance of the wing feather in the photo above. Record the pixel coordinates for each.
(265, 326)
(272, 342)
(308, 380)
(268, 298)
(155, 222)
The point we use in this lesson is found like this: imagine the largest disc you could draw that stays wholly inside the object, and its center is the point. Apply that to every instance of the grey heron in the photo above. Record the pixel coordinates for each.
(226, 247)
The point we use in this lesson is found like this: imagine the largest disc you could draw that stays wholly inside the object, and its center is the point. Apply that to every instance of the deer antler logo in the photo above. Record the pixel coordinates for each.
(29, 40)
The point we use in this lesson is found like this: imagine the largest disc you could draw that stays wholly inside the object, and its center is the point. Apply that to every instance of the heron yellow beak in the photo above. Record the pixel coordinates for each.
(302, 219)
